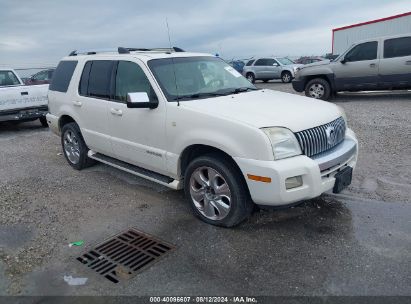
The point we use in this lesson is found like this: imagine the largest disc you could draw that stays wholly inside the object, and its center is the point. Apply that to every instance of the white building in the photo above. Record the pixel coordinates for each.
(345, 36)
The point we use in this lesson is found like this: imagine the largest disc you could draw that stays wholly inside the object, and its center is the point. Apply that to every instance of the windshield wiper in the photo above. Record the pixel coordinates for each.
(241, 90)
(197, 95)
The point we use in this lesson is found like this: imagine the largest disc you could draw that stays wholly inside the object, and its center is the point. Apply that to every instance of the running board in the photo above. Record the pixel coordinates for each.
(141, 172)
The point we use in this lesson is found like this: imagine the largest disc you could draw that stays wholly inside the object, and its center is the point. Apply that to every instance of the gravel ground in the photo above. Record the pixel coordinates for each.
(356, 243)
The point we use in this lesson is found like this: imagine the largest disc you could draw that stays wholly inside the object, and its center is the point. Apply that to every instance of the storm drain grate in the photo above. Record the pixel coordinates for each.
(125, 254)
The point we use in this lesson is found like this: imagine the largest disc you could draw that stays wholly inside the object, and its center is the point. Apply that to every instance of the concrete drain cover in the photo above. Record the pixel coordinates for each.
(124, 255)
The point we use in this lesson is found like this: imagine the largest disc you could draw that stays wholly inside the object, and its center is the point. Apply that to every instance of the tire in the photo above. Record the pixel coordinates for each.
(74, 148)
(43, 122)
(234, 204)
(250, 77)
(286, 77)
(318, 88)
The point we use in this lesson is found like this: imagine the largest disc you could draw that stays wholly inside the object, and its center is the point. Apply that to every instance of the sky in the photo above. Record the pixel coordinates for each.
(39, 32)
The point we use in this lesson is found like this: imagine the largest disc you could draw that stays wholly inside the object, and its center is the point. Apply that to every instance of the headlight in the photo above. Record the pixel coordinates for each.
(283, 142)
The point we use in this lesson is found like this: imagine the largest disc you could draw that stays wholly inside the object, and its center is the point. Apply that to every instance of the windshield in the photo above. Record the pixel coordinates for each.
(285, 61)
(197, 77)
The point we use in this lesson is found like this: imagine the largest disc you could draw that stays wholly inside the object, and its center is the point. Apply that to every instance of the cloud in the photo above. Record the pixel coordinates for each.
(44, 31)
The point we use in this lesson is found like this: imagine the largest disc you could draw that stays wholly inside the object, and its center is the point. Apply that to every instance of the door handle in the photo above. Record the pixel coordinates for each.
(24, 93)
(373, 65)
(77, 103)
(116, 112)
(408, 62)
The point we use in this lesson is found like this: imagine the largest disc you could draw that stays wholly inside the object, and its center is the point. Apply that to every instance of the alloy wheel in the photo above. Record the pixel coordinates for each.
(71, 147)
(210, 193)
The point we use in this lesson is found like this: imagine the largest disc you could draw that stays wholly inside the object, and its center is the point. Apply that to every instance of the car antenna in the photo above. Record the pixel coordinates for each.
(172, 60)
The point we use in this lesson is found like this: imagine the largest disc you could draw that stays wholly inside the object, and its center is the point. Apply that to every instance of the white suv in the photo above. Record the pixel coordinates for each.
(189, 120)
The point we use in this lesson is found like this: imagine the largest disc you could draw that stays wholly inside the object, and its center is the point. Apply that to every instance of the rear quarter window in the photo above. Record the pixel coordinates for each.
(397, 47)
(62, 76)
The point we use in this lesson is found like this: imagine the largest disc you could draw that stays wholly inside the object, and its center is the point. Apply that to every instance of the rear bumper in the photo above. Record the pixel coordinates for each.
(53, 122)
(317, 174)
(298, 85)
(23, 114)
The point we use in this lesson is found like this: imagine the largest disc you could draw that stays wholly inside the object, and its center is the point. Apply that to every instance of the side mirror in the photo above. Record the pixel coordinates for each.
(140, 100)
(344, 60)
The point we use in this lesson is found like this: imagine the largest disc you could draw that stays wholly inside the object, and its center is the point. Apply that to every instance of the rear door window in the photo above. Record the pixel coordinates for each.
(397, 47)
(261, 62)
(62, 76)
(99, 79)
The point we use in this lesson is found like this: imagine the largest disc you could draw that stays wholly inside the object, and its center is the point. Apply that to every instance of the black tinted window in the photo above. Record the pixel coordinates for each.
(397, 47)
(270, 62)
(364, 51)
(99, 79)
(130, 78)
(250, 62)
(84, 79)
(62, 76)
(261, 62)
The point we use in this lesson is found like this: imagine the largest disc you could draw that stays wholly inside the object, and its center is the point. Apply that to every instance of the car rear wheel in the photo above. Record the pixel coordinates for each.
(286, 77)
(318, 88)
(216, 191)
(250, 77)
(74, 148)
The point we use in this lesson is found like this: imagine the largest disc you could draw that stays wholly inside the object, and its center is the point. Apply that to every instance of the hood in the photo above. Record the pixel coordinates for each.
(322, 62)
(268, 108)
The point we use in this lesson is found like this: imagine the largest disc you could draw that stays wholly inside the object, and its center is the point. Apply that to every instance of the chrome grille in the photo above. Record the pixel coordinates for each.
(316, 140)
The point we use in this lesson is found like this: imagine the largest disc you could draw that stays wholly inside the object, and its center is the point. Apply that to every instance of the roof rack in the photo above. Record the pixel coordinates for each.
(123, 50)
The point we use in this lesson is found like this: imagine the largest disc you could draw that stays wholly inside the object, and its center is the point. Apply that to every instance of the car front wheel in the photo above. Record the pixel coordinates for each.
(318, 88)
(216, 191)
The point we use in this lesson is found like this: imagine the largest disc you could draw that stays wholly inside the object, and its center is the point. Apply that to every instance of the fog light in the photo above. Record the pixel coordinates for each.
(293, 182)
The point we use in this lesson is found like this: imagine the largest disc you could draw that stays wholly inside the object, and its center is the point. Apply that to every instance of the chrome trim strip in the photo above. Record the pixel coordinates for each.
(337, 155)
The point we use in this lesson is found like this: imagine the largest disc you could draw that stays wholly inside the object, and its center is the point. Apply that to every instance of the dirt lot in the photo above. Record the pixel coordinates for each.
(356, 243)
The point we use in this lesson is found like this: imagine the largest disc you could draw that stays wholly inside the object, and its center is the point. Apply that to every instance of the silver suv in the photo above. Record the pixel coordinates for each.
(269, 68)
(374, 64)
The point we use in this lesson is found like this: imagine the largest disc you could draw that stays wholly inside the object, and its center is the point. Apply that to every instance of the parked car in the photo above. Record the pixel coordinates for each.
(308, 60)
(238, 65)
(19, 102)
(374, 64)
(189, 120)
(42, 77)
(266, 69)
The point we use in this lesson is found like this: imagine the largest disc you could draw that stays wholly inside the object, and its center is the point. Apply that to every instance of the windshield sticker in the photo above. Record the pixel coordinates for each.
(232, 71)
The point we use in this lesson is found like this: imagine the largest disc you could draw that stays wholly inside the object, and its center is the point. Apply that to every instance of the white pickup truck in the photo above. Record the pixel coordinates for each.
(19, 102)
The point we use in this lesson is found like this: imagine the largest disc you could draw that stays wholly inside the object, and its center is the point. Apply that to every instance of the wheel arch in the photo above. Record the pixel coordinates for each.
(65, 119)
(327, 77)
(196, 150)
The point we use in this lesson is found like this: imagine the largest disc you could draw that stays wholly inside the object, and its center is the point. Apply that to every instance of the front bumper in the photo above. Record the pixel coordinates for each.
(298, 85)
(317, 174)
(23, 114)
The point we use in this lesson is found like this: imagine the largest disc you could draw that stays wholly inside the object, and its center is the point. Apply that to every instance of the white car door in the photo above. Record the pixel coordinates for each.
(137, 134)
(91, 104)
